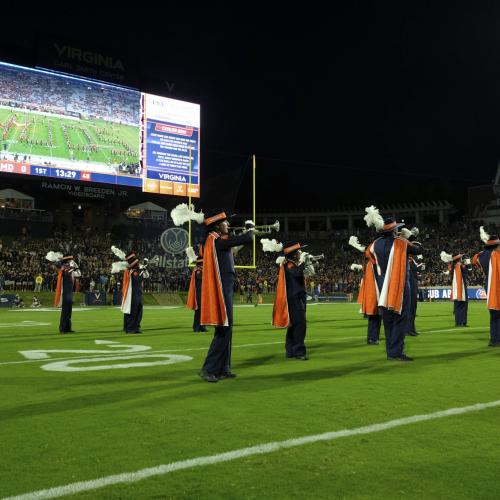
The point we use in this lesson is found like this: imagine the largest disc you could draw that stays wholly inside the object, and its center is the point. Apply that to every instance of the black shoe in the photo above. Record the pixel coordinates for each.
(227, 375)
(203, 329)
(494, 344)
(208, 377)
(403, 357)
(137, 331)
(302, 358)
(372, 342)
(411, 334)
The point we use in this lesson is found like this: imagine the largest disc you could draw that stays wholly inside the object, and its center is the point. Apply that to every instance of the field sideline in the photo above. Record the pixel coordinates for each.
(106, 403)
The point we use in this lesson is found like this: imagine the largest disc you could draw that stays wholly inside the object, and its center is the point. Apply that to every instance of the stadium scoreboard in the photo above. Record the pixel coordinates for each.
(73, 128)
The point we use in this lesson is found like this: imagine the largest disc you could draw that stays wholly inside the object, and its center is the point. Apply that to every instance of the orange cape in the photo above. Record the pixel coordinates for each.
(126, 292)
(391, 295)
(58, 297)
(213, 306)
(368, 291)
(281, 317)
(457, 286)
(494, 282)
(191, 299)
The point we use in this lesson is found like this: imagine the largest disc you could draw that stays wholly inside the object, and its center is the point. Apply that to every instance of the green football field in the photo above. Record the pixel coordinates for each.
(34, 134)
(125, 424)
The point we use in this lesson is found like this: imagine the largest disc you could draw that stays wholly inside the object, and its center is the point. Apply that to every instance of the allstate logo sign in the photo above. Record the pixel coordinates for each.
(481, 294)
(174, 240)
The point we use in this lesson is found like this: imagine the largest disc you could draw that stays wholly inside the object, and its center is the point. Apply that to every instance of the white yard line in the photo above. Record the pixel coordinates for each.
(261, 449)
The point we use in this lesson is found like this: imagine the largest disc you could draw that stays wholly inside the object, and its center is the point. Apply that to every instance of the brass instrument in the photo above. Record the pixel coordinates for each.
(265, 229)
(315, 258)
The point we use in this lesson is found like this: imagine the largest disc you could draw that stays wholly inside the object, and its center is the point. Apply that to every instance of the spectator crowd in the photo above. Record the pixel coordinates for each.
(23, 265)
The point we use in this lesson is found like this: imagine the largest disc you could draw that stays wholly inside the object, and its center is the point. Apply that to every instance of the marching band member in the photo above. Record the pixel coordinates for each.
(194, 294)
(368, 293)
(133, 276)
(290, 299)
(411, 235)
(217, 292)
(391, 256)
(217, 287)
(488, 261)
(459, 267)
(68, 271)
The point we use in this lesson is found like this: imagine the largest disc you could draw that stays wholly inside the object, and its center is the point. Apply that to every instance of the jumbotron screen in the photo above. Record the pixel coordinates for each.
(72, 128)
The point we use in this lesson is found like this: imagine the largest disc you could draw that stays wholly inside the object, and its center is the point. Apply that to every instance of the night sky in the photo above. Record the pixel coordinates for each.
(363, 104)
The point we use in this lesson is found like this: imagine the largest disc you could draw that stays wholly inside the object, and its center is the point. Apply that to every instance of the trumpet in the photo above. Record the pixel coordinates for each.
(265, 229)
(314, 258)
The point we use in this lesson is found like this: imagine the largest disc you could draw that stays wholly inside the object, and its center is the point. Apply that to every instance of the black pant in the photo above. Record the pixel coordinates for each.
(374, 323)
(66, 310)
(494, 327)
(296, 332)
(132, 321)
(196, 320)
(395, 326)
(460, 310)
(413, 305)
(218, 360)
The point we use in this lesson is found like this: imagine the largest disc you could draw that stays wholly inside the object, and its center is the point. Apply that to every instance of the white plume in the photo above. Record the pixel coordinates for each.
(354, 242)
(119, 253)
(356, 267)
(373, 218)
(303, 257)
(54, 256)
(271, 245)
(405, 233)
(183, 213)
(446, 273)
(415, 231)
(446, 257)
(119, 266)
(484, 235)
(191, 255)
(420, 257)
(280, 260)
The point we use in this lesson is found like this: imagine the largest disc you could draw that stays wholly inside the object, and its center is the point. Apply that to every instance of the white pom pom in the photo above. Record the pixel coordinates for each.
(373, 218)
(415, 231)
(118, 267)
(271, 245)
(446, 257)
(446, 273)
(405, 233)
(356, 267)
(183, 213)
(54, 256)
(354, 242)
(280, 260)
(483, 234)
(304, 256)
(191, 255)
(420, 257)
(119, 253)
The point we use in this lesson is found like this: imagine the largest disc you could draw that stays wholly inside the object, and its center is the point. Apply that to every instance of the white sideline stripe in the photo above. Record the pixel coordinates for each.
(159, 470)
